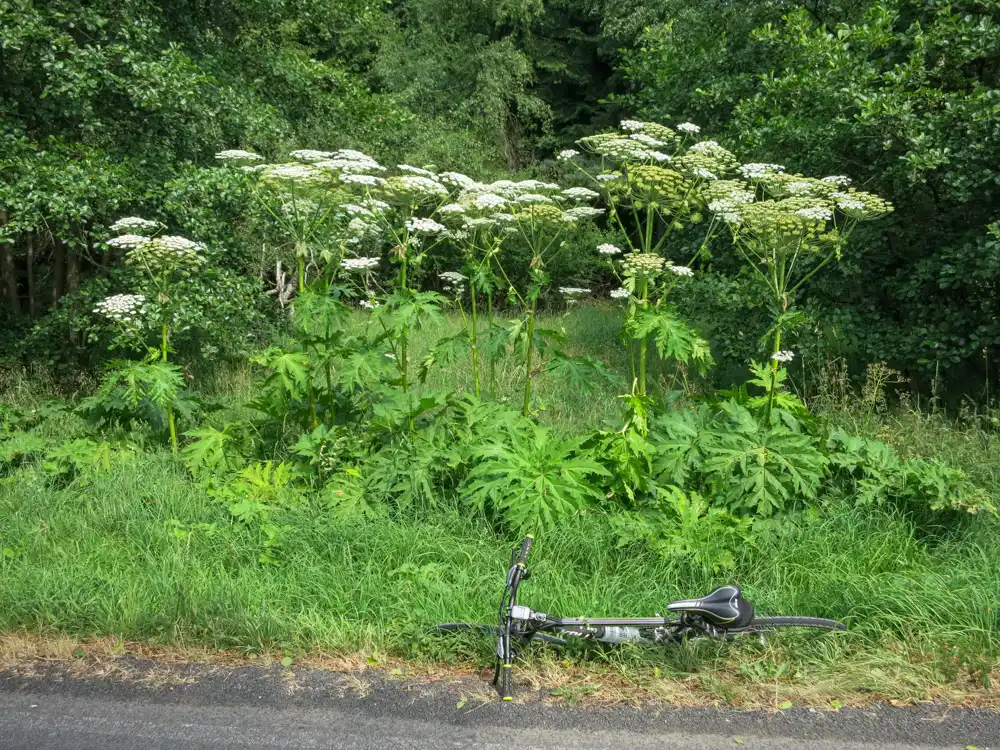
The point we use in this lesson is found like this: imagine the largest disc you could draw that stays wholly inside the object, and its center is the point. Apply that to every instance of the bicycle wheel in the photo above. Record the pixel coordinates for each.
(479, 627)
(764, 624)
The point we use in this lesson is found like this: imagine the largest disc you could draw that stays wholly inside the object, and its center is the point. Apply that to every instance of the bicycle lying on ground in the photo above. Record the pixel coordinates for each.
(723, 614)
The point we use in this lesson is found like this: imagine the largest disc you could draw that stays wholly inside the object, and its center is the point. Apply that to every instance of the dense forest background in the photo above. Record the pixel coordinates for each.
(116, 108)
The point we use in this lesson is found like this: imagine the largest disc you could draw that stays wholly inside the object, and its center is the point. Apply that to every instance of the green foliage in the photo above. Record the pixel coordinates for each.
(139, 391)
(532, 480)
(684, 527)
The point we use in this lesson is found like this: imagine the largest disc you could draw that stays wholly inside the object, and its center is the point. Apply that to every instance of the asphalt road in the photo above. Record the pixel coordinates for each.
(253, 708)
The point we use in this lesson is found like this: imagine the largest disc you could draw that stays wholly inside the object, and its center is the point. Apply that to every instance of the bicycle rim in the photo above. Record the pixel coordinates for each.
(764, 624)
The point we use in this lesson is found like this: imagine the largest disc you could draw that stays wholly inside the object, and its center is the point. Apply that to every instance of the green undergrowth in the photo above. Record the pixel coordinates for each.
(138, 552)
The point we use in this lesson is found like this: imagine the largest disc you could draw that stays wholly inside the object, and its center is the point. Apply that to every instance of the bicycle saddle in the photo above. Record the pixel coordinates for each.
(724, 607)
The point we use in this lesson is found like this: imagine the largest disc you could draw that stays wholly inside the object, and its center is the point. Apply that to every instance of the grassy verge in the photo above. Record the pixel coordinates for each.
(138, 554)
(104, 558)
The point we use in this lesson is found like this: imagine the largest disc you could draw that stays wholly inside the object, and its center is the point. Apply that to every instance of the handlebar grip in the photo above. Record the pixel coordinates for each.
(525, 550)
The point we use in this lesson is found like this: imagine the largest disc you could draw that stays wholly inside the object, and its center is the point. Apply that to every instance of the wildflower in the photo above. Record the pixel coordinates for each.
(356, 210)
(416, 170)
(361, 228)
(608, 249)
(489, 200)
(659, 156)
(706, 174)
(504, 217)
(418, 186)
(123, 308)
(128, 240)
(815, 213)
(368, 305)
(783, 356)
(608, 176)
(361, 179)
(756, 171)
(800, 188)
(532, 198)
(452, 208)
(688, 127)
(457, 179)
(573, 291)
(581, 212)
(620, 293)
(643, 264)
(304, 173)
(580, 193)
(474, 222)
(837, 179)
(453, 277)
(425, 226)
(375, 205)
(679, 270)
(850, 204)
(359, 264)
(235, 154)
(134, 223)
(307, 154)
(646, 139)
(632, 125)
(567, 154)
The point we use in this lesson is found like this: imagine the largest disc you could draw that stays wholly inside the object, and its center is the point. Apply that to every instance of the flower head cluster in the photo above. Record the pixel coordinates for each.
(349, 161)
(457, 179)
(567, 154)
(688, 127)
(165, 254)
(573, 291)
(489, 200)
(757, 171)
(452, 208)
(815, 213)
(359, 264)
(309, 155)
(783, 356)
(454, 282)
(608, 249)
(643, 264)
(418, 225)
(679, 270)
(414, 188)
(369, 180)
(837, 180)
(135, 224)
(581, 212)
(858, 204)
(580, 193)
(654, 185)
(620, 293)
(235, 154)
(124, 308)
(707, 160)
(416, 170)
(128, 241)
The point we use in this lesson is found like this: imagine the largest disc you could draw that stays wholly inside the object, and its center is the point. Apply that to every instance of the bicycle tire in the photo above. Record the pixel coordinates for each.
(764, 624)
(479, 627)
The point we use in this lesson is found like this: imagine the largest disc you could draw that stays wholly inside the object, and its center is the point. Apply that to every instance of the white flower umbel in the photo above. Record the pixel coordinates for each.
(567, 154)
(756, 171)
(301, 173)
(368, 305)
(475, 222)
(309, 155)
(452, 208)
(647, 139)
(355, 210)
(837, 179)
(489, 200)
(620, 293)
(680, 270)
(706, 174)
(688, 127)
(533, 198)
(359, 264)
(783, 356)
(416, 170)
(235, 154)
(573, 291)
(816, 213)
(135, 224)
(580, 193)
(582, 212)
(457, 179)
(453, 277)
(128, 241)
(632, 126)
(422, 185)
(608, 177)
(361, 179)
(418, 225)
(608, 249)
(659, 156)
(124, 308)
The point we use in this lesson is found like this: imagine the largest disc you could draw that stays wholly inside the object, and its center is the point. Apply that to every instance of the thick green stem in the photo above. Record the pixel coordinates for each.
(774, 373)
(527, 359)
(475, 344)
(643, 342)
(403, 364)
(493, 361)
(171, 422)
(300, 259)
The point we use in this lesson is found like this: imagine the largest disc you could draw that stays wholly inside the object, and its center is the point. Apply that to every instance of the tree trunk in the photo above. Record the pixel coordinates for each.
(72, 268)
(58, 269)
(29, 242)
(9, 271)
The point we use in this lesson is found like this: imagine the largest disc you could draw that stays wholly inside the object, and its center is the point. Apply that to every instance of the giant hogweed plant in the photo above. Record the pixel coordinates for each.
(154, 385)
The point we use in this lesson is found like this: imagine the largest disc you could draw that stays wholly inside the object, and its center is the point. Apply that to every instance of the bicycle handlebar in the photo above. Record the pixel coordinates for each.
(522, 560)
